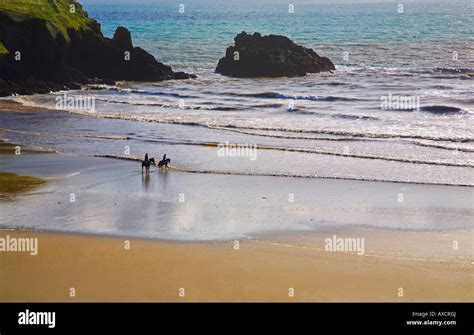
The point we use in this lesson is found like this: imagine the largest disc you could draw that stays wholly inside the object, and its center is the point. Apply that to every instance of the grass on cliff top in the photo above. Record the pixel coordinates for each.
(3, 50)
(56, 12)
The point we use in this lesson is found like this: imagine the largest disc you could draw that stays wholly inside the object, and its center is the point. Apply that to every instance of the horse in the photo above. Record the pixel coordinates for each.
(147, 164)
(164, 163)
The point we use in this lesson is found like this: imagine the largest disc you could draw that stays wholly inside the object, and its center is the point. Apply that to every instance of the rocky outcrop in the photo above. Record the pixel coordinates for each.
(270, 56)
(122, 38)
(35, 58)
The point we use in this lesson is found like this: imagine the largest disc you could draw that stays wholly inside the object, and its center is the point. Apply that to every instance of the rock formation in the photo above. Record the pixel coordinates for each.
(270, 56)
(46, 47)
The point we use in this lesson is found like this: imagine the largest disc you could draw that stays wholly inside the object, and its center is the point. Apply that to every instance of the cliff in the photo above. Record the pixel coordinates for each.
(53, 44)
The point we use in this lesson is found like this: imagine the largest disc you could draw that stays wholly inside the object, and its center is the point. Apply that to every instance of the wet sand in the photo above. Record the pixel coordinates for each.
(281, 254)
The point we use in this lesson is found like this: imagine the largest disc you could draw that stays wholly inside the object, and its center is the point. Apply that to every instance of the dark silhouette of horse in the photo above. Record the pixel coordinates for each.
(147, 163)
(164, 163)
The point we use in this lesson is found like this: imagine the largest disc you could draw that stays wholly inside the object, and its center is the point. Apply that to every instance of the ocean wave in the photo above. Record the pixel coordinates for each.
(233, 127)
(352, 139)
(94, 136)
(123, 90)
(441, 87)
(277, 95)
(453, 70)
(443, 110)
(366, 156)
(185, 107)
(207, 144)
(133, 103)
(336, 83)
(407, 71)
(299, 137)
(354, 117)
(444, 147)
(266, 106)
(334, 115)
(322, 152)
(350, 133)
(203, 106)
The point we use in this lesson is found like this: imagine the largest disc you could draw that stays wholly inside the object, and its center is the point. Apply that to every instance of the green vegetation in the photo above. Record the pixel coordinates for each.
(9, 148)
(3, 50)
(60, 14)
(12, 184)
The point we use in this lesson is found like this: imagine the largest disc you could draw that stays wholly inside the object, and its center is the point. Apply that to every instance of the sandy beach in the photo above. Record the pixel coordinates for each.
(133, 237)
(296, 269)
(254, 153)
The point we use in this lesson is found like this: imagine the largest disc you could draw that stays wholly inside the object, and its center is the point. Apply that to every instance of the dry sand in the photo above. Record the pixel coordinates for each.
(102, 269)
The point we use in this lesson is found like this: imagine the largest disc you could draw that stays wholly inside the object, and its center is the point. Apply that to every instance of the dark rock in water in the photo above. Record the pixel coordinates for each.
(183, 75)
(26, 87)
(73, 86)
(270, 56)
(108, 82)
(55, 58)
(122, 38)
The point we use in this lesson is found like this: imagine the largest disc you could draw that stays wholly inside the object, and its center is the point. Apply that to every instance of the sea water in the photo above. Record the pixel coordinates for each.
(399, 106)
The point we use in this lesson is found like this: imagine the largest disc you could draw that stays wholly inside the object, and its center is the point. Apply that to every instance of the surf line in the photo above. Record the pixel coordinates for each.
(282, 175)
(237, 149)
(99, 137)
(374, 254)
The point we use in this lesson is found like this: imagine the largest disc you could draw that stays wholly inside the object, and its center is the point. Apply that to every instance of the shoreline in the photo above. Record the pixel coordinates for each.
(321, 202)
(330, 159)
(289, 235)
(287, 265)
(11, 105)
(281, 244)
(245, 205)
(176, 169)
